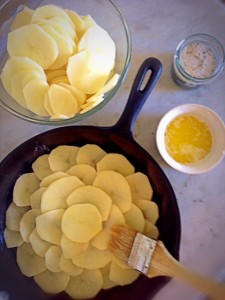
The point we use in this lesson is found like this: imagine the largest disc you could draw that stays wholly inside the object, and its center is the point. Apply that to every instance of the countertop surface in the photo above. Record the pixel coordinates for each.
(157, 26)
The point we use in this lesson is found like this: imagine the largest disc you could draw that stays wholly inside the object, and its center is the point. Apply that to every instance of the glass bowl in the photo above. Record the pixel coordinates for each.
(106, 14)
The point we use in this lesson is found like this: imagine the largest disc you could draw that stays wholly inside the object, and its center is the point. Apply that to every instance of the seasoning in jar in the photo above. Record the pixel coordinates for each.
(188, 139)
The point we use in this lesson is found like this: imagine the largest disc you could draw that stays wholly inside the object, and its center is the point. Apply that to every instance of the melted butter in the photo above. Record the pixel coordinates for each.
(188, 139)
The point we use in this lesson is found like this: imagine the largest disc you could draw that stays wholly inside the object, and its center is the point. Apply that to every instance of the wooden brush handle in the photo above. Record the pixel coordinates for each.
(163, 263)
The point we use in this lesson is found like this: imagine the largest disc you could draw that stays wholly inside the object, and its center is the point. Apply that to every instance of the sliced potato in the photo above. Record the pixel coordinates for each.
(79, 95)
(29, 263)
(27, 223)
(90, 154)
(49, 11)
(151, 230)
(22, 18)
(116, 186)
(41, 166)
(77, 226)
(107, 283)
(116, 162)
(93, 195)
(122, 276)
(140, 186)
(14, 215)
(39, 246)
(51, 282)
(78, 21)
(51, 178)
(12, 238)
(84, 172)
(67, 266)
(150, 210)
(52, 258)
(135, 218)
(70, 248)
(63, 157)
(56, 194)
(86, 285)
(49, 226)
(25, 185)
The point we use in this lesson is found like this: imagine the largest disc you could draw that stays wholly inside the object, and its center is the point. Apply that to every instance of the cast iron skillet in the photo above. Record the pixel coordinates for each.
(118, 138)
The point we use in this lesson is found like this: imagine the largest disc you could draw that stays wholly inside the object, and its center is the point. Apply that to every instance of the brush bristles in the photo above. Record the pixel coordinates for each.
(121, 242)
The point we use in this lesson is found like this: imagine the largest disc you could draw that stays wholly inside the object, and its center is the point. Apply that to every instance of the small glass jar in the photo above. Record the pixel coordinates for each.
(198, 59)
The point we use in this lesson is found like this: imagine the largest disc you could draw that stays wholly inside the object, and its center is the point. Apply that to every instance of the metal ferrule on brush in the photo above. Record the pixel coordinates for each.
(141, 253)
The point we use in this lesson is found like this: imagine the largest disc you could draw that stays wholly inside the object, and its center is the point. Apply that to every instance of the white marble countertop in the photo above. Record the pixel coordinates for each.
(157, 26)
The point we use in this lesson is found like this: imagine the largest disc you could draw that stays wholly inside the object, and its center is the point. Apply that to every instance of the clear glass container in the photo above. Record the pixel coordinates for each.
(198, 59)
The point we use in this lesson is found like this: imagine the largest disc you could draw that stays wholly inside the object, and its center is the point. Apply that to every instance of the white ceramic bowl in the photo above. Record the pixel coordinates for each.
(214, 123)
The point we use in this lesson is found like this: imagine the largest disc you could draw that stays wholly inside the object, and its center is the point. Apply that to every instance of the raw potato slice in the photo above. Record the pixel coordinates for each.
(151, 230)
(90, 154)
(140, 186)
(67, 266)
(78, 21)
(34, 93)
(56, 194)
(86, 285)
(41, 166)
(116, 186)
(135, 218)
(52, 258)
(49, 226)
(107, 283)
(92, 258)
(29, 263)
(122, 276)
(62, 101)
(79, 95)
(81, 222)
(116, 162)
(14, 215)
(27, 223)
(52, 283)
(85, 173)
(51, 178)
(149, 209)
(39, 246)
(32, 41)
(70, 248)
(101, 240)
(89, 105)
(12, 238)
(93, 195)
(47, 105)
(22, 18)
(25, 185)
(35, 198)
(63, 157)
(53, 74)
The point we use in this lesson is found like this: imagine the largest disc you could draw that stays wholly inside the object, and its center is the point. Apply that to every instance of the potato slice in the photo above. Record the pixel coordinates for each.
(49, 11)
(84, 172)
(63, 157)
(51, 282)
(52, 258)
(150, 210)
(86, 285)
(39, 246)
(51, 178)
(140, 186)
(34, 92)
(122, 276)
(79, 95)
(29, 263)
(77, 226)
(35, 198)
(78, 21)
(116, 186)
(56, 194)
(25, 185)
(70, 248)
(67, 266)
(107, 283)
(116, 162)
(53, 74)
(12, 238)
(27, 223)
(14, 215)
(101, 240)
(90, 154)
(22, 18)
(89, 105)
(151, 230)
(41, 166)
(93, 195)
(33, 42)
(135, 218)
(49, 226)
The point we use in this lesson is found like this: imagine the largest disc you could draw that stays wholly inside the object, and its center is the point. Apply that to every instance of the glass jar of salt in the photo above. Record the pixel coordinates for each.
(198, 59)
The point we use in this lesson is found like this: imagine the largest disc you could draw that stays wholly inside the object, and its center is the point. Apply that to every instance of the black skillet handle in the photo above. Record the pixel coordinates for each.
(139, 94)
